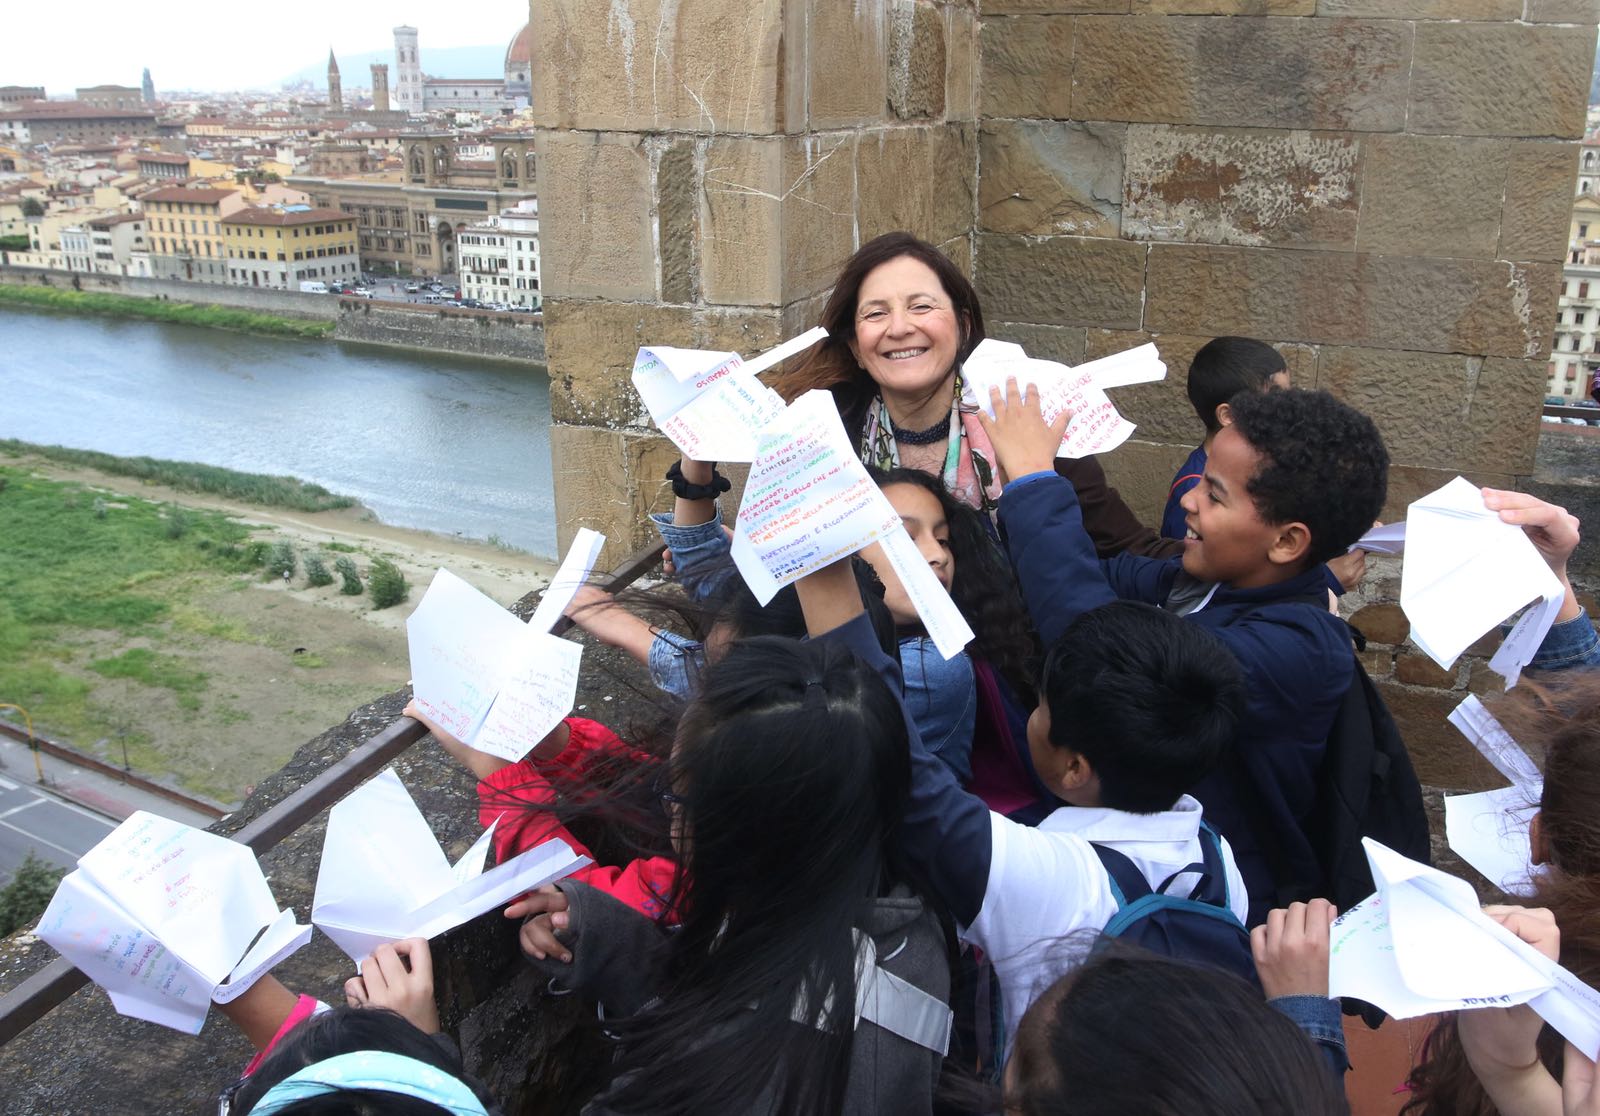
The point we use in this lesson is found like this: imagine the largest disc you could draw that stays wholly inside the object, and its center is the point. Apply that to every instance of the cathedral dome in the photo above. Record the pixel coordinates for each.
(517, 54)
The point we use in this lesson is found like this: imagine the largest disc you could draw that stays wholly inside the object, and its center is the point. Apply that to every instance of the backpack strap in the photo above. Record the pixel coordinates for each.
(1128, 884)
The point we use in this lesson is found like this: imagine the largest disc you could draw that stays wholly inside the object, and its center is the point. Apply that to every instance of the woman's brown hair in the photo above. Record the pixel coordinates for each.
(831, 365)
(1561, 719)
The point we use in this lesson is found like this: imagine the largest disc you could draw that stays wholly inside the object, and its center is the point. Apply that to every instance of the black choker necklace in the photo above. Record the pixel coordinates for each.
(934, 433)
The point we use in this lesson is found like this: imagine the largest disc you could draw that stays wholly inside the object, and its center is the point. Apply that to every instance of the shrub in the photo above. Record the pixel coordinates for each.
(177, 522)
(256, 552)
(347, 570)
(280, 560)
(317, 571)
(388, 584)
(24, 899)
(99, 508)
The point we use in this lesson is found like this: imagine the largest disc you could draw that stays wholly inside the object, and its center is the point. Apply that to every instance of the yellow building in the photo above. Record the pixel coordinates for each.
(283, 248)
(185, 232)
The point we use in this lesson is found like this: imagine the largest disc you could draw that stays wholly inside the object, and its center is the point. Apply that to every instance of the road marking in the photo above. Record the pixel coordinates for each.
(7, 783)
(35, 837)
(26, 805)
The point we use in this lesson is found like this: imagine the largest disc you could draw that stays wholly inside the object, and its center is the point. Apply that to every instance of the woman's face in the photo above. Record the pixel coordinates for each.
(907, 335)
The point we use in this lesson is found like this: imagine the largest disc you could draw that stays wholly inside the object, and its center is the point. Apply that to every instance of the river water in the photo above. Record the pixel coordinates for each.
(436, 442)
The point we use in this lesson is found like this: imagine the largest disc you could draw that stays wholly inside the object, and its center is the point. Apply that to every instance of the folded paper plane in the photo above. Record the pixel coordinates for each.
(167, 919)
(384, 877)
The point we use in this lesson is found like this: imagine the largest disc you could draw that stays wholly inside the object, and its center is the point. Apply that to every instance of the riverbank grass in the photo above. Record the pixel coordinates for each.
(217, 317)
(186, 476)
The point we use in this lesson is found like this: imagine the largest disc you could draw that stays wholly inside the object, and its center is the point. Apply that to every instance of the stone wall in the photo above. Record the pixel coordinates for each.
(1379, 187)
(704, 170)
(289, 304)
(481, 333)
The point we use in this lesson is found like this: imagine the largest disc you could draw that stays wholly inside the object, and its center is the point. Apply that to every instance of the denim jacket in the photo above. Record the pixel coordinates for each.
(1321, 1020)
(942, 697)
(700, 552)
(1570, 645)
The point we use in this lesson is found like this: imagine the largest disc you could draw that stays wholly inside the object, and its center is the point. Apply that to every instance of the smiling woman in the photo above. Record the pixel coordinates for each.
(900, 321)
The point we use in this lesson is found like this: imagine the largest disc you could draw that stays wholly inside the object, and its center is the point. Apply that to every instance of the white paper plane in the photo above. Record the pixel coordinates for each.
(384, 877)
(169, 919)
(1465, 571)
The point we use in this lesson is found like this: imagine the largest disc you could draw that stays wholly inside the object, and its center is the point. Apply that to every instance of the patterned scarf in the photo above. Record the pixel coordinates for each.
(969, 476)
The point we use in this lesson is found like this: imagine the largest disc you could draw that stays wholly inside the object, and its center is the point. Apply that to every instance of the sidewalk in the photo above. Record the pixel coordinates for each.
(103, 794)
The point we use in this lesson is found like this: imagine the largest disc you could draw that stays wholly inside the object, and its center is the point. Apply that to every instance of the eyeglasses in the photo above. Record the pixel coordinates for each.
(670, 803)
(225, 1098)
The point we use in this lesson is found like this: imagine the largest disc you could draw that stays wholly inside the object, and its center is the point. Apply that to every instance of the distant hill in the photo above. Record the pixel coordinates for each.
(449, 62)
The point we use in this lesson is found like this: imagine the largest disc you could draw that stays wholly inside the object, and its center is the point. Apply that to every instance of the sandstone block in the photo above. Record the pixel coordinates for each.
(1483, 681)
(847, 52)
(594, 209)
(961, 63)
(1416, 669)
(597, 473)
(1161, 410)
(916, 60)
(1052, 7)
(1438, 305)
(916, 178)
(659, 64)
(1063, 344)
(1404, 214)
(1423, 9)
(1534, 220)
(1442, 410)
(819, 175)
(741, 212)
(1500, 79)
(1225, 7)
(1563, 11)
(1439, 754)
(1409, 482)
(1485, 645)
(677, 220)
(1383, 622)
(1241, 187)
(592, 346)
(1061, 280)
(1378, 662)
(1142, 473)
(1027, 67)
(1049, 177)
(1241, 71)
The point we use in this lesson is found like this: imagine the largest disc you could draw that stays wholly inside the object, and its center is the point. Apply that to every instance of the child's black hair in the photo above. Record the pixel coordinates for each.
(792, 772)
(984, 589)
(1131, 1031)
(1323, 463)
(345, 1030)
(1225, 366)
(1149, 699)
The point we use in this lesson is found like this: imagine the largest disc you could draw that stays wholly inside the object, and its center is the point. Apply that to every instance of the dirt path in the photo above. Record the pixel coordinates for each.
(282, 662)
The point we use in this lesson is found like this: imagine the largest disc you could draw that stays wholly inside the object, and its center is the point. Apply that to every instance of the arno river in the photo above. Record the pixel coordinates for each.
(442, 443)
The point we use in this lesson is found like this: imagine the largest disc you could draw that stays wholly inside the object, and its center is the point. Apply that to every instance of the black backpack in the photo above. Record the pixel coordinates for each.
(1200, 926)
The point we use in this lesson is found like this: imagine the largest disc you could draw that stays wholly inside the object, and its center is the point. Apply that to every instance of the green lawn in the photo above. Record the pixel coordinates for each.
(218, 317)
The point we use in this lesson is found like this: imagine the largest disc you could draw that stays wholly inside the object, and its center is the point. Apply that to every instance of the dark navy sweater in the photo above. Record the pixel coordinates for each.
(1296, 657)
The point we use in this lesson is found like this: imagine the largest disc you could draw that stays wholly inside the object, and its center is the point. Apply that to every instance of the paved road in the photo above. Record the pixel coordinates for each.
(33, 819)
(74, 809)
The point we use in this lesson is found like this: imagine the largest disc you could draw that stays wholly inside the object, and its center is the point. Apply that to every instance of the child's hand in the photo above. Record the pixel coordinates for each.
(587, 599)
(1291, 949)
(386, 981)
(1502, 1043)
(545, 911)
(1551, 529)
(1023, 442)
(481, 764)
(1580, 1092)
(1349, 568)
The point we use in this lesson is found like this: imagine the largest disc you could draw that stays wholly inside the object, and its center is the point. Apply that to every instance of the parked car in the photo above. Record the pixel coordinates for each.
(363, 292)
(1586, 403)
(1574, 422)
(412, 288)
(1552, 419)
(313, 286)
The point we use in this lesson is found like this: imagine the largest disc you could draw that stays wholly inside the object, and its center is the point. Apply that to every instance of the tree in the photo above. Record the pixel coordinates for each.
(347, 571)
(32, 207)
(24, 899)
(317, 570)
(281, 562)
(386, 584)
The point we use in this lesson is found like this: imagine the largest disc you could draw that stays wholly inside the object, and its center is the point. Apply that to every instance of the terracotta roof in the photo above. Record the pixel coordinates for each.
(162, 157)
(115, 219)
(279, 217)
(73, 110)
(184, 194)
(518, 50)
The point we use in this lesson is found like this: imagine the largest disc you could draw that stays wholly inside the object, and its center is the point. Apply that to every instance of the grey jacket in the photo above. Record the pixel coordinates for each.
(618, 958)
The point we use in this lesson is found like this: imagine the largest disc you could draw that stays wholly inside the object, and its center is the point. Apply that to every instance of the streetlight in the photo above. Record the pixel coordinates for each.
(32, 743)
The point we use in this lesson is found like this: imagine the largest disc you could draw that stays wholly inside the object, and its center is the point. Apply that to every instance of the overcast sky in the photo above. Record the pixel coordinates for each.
(195, 45)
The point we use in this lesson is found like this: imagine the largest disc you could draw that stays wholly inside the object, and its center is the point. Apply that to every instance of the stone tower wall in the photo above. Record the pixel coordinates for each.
(1380, 187)
(380, 87)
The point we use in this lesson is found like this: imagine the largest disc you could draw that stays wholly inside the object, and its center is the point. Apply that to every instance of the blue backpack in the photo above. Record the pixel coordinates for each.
(1199, 927)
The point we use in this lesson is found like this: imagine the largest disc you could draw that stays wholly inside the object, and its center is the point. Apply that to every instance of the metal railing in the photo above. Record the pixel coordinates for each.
(45, 990)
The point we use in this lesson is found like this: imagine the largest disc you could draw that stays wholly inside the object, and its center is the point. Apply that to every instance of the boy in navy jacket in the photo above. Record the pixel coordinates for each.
(1295, 480)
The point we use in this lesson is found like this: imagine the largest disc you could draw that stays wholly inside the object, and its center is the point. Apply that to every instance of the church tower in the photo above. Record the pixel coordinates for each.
(380, 87)
(335, 91)
(408, 71)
